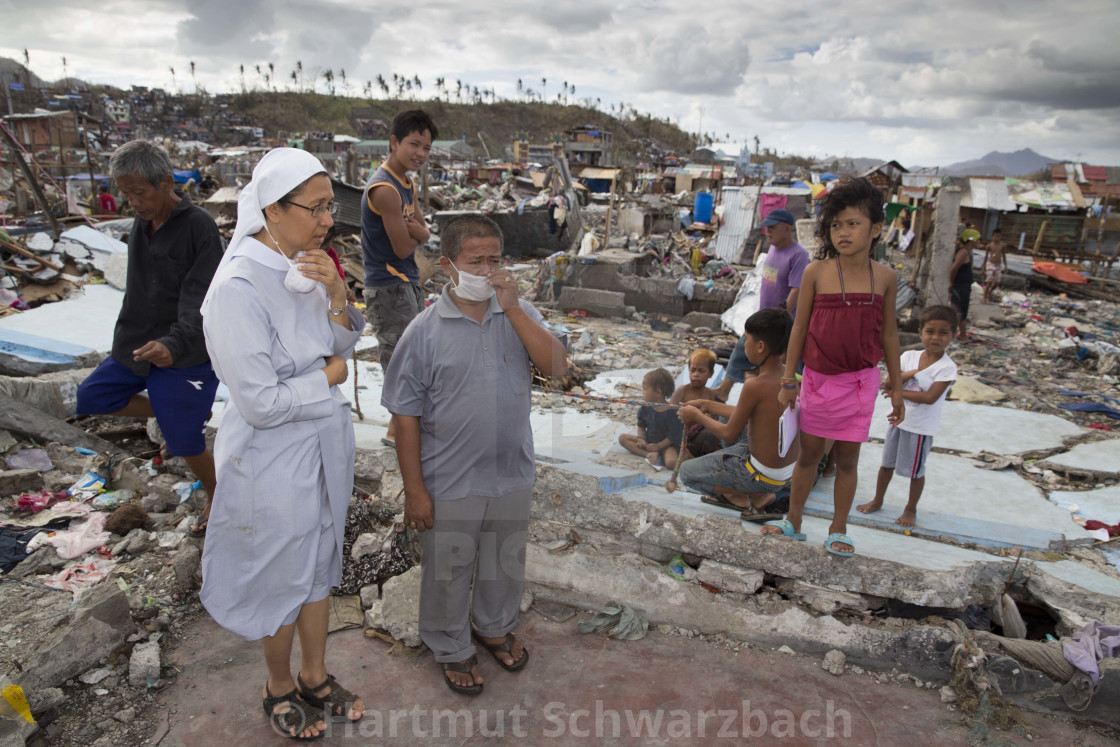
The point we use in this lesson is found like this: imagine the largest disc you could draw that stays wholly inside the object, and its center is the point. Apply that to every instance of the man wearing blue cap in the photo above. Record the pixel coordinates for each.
(785, 262)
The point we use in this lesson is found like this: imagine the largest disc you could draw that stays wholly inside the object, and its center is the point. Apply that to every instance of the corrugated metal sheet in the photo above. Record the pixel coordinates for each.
(987, 194)
(739, 207)
(349, 200)
(1095, 173)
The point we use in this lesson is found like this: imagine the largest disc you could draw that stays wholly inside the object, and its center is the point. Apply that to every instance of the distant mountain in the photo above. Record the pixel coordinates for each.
(1021, 162)
(847, 164)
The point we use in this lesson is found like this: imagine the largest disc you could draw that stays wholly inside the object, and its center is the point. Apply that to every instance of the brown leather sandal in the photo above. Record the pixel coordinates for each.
(336, 703)
(292, 722)
(463, 667)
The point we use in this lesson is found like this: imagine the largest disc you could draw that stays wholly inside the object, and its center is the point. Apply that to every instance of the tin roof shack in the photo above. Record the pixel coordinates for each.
(1095, 183)
(983, 200)
(589, 146)
(452, 150)
(886, 176)
(43, 130)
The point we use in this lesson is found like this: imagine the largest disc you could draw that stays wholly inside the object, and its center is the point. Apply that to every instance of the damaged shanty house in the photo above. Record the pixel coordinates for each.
(965, 597)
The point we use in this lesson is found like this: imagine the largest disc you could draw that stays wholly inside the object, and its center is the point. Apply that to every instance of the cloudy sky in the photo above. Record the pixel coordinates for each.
(923, 83)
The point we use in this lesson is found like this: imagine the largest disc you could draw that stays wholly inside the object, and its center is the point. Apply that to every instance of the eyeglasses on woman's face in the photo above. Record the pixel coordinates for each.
(317, 211)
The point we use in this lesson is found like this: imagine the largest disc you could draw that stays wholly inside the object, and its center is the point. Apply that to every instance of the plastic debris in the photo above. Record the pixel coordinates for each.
(617, 621)
(35, 459)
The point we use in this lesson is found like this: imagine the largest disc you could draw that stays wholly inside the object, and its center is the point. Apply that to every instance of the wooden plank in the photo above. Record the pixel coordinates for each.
(29, 255)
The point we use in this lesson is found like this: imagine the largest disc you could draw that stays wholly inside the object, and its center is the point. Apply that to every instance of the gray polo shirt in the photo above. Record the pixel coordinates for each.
(469, 384)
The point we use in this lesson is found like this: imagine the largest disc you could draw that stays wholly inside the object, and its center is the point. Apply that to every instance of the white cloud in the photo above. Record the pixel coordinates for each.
(856, 78)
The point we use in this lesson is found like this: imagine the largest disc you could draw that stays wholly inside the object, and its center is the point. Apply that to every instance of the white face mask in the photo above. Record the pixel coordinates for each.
(297, 282)
(472, 287)
(294, 281)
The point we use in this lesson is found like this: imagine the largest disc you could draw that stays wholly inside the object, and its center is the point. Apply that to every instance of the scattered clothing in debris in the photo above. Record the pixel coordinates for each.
(1091, 644)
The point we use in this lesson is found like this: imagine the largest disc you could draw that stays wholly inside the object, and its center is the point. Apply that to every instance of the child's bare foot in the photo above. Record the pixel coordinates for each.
(870, 507)
(908, 519)
(654, 460)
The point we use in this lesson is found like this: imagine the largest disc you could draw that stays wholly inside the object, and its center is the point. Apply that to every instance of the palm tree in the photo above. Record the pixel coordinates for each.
(259, 75)
(194, 79)
(173, 85)
(328, 76)
(271, 72)
(345, 85)
(382, 84)
(544, 84)
(520, 88)
(293, 75)
(299, 68)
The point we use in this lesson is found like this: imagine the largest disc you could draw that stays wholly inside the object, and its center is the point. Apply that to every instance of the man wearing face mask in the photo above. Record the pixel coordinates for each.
(459, 387)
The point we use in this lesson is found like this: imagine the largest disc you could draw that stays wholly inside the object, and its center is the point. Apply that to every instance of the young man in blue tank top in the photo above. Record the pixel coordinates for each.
(392, 229)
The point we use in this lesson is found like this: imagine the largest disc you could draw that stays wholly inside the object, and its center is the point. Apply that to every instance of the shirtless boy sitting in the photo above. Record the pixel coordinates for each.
(745, 477)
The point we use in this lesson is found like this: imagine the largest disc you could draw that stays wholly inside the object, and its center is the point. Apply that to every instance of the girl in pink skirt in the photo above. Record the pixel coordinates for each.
(845, 325)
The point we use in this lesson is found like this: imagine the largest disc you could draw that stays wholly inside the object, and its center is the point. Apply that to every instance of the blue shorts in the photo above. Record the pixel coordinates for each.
(181, 399)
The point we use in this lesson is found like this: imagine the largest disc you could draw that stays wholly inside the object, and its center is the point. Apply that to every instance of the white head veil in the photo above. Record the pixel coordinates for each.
(278, 173)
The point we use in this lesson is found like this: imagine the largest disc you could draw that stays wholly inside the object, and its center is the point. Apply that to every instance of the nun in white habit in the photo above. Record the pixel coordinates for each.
(279, 333)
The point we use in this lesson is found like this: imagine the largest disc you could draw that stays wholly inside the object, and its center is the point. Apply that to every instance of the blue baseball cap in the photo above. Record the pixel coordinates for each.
(777, 216)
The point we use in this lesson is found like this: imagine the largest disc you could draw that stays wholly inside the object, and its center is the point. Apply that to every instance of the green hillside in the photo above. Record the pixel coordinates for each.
(498, 122)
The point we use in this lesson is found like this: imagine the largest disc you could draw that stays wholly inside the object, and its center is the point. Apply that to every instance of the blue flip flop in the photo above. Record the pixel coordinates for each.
(841, 538)
(787, 529)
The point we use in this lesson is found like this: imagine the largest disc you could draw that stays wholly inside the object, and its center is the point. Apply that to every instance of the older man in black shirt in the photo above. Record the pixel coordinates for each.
(173, 250)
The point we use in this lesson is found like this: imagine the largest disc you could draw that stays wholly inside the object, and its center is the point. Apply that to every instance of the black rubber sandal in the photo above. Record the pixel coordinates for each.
(296, 719)
(505, 647)
(336, 703)
(463, 667)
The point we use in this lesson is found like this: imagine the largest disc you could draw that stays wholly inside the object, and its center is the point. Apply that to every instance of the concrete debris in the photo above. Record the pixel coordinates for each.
(948, 694)
(833, 662)
(98, 625)
(400, 607)
(144, 664)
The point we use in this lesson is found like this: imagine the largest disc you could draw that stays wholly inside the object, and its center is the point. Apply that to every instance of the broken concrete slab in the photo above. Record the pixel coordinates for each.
(596, 302)
(593, 580)
(999, 509)
(85, 319)
(1102, 504)
(730, 577)
(115, 270)
(1098, 456)
(27, 421)
(400, 607)
(16, 481)
(144, 664)
(892, 566)
(54, 393)
(970, 427)
(99, 624)
(26, 354)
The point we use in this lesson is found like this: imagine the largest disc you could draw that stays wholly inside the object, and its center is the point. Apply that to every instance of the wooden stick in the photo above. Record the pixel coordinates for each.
(357, 403)
(29, 255)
